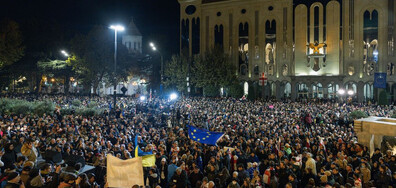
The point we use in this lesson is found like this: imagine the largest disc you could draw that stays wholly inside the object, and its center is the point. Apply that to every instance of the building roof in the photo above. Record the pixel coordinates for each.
(132, 29)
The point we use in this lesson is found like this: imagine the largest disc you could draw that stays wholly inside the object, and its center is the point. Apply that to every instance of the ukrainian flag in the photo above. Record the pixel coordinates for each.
(148, 158)
(204, 136)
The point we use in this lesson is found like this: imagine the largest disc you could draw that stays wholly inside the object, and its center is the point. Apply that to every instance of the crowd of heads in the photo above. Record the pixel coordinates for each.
(265, 144)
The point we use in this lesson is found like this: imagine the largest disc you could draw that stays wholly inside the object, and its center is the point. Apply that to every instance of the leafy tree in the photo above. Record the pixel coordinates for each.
(252, 93)
(43, 39)
(176, 73)
(383, 98)
(357, 114)
(214, 69)
(58, 68)
(11, 47)
(93, 58)
(236, 90)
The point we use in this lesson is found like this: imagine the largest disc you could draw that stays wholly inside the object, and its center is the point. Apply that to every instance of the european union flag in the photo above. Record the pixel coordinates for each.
(204, 136)
(380, 80)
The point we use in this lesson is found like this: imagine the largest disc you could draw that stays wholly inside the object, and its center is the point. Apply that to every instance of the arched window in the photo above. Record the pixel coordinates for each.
(219, 35)
(243, 46)
(195, 35)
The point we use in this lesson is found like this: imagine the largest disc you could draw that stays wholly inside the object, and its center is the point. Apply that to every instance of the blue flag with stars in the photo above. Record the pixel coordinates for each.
(204, 136)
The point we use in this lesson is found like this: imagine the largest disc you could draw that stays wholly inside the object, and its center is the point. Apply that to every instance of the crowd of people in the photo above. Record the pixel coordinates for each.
(265, 144)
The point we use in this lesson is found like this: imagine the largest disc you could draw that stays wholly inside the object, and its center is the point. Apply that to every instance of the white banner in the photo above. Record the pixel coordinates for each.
(124, 173)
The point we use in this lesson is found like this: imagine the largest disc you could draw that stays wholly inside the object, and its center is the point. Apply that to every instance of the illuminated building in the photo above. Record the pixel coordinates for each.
(354, 39)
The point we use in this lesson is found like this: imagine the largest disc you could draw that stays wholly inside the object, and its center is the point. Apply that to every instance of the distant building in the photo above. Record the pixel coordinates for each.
(132, 38)
(306, 48)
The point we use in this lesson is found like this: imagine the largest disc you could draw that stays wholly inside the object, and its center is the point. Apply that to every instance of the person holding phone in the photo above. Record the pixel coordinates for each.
(29, 150)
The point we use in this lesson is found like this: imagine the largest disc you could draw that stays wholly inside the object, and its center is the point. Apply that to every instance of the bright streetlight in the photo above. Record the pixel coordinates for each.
(341, 91)
(350, 92)
(154, 48)
(142, 98)
(173, 96)
(115, 28)
(64, 53)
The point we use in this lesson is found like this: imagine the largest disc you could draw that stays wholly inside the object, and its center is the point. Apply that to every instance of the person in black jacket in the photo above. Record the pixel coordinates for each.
(9, 156)
(163, 173)
(179, 179)
(195, 176)
(382, 179)
(337, 176)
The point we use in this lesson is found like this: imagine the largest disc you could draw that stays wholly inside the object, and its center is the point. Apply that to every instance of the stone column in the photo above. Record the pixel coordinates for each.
(293, 91)
(360, 91)
(279, 90)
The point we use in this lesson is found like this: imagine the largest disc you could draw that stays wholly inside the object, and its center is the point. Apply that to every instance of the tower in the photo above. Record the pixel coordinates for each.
(132, 38)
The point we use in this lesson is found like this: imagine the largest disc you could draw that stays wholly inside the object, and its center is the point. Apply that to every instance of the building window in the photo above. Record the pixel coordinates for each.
(134, 45)
(391, 69)
(256, 70)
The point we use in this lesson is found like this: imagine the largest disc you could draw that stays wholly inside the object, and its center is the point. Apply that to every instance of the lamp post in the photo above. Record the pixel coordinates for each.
(115, 28)
(152, 45)
(65, 53)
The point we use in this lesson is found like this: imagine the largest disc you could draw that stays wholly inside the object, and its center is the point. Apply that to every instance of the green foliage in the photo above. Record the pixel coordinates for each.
(383, 98)
(76, 103)
(357, 114)
(86, 112)
(211, 91)
(43, 107)
(14, 106)
(93, 58)
(215, 69)
(251, 92)
(21, 107)
(11, 48)
(66, 111)
(92, 104)
(236, 90)
(393, 115)
(176, 73)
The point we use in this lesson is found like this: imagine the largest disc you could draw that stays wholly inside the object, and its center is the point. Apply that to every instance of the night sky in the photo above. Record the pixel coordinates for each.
(157, 20)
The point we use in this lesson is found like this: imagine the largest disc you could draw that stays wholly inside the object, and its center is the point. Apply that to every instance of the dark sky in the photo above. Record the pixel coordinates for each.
(157, 20)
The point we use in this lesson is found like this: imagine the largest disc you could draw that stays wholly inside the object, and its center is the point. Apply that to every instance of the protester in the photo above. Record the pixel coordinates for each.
(291, 144)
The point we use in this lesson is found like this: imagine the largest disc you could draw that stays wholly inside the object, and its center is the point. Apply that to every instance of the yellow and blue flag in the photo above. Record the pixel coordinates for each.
(148, 158)
(204, 136)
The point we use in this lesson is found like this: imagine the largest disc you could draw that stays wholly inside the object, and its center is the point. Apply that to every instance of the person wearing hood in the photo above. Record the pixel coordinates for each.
(153, 177)
(9, 156)
(163, 173)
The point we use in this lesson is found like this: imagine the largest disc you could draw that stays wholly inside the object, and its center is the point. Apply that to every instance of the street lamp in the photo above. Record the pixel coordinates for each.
(115, 28)
(341, 91)
(64, 53)
(154, 48)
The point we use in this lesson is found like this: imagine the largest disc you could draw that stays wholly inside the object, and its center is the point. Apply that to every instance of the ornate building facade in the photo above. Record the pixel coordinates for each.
(310, 48)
